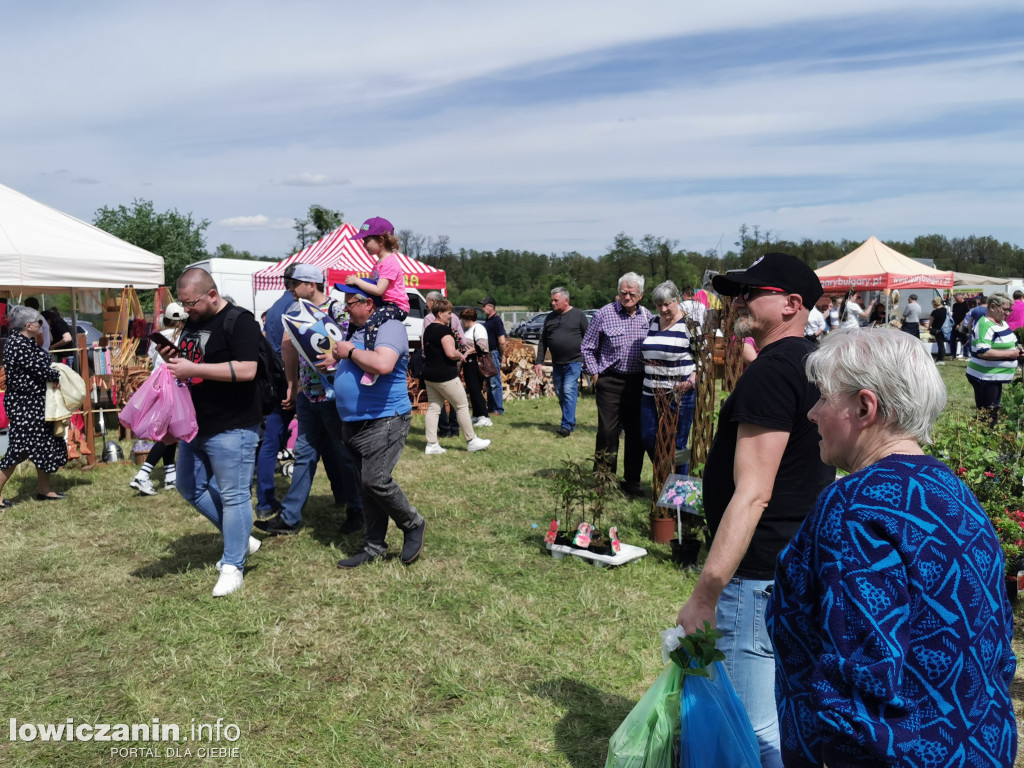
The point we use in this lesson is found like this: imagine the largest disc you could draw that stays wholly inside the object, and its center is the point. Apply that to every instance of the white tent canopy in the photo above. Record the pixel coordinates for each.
(43, 250)
(965, 278)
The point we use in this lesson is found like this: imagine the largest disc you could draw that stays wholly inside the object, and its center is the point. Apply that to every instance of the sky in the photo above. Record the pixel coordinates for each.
(544, 126)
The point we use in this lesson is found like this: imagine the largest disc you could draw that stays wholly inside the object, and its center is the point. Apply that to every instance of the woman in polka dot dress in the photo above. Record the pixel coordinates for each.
(27, 368)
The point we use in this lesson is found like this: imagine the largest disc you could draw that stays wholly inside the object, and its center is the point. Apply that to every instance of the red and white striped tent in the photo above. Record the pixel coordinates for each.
(339, 256)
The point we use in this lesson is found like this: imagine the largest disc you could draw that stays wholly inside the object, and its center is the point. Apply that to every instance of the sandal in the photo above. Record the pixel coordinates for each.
(6, 503)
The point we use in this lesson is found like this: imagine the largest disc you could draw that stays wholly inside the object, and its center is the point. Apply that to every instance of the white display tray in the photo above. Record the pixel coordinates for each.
(627, 554)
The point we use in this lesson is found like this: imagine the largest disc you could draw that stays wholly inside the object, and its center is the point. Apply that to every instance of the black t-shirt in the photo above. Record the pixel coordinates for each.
(773, 393)
(437, 366)
(960, 310)
(938, 318)
(562, 334)
(223, 405)
(495, 328)
(57, 330)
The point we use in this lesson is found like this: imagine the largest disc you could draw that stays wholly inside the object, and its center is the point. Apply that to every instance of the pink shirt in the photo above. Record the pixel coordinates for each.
(391, 269)
(1016, 317)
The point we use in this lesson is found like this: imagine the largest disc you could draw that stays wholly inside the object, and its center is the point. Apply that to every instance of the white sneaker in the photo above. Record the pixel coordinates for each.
(482, 421)
(477, 444)
(230, 581)
(142, 484)
(254, 546)
(434, 449)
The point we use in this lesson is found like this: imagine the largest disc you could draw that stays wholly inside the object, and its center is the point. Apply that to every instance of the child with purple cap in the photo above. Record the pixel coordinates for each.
(387, 280)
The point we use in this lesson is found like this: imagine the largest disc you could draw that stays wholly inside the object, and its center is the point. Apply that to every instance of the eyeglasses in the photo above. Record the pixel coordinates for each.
(190, 304)
(350, 302)
(749, 291)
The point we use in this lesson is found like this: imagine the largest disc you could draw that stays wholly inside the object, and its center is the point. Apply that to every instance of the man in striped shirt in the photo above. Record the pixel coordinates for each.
(611, 355)
(994, 355)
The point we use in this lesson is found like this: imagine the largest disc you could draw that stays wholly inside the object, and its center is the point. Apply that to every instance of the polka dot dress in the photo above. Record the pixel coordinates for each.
(31, 436)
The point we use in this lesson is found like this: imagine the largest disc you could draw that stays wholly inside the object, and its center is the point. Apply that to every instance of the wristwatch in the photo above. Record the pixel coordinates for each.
(349, 356)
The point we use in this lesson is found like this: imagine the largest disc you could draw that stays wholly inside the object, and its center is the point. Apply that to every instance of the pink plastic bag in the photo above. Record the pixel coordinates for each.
(161, 409)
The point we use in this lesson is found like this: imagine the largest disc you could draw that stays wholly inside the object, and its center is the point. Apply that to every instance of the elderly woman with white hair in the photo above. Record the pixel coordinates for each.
(669, 373)
(889, 616)
(28, 368)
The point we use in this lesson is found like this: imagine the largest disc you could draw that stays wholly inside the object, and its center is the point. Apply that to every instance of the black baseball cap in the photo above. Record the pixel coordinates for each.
(773, 270)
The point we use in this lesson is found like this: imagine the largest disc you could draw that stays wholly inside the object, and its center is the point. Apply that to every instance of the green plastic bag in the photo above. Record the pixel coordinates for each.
(649, 736)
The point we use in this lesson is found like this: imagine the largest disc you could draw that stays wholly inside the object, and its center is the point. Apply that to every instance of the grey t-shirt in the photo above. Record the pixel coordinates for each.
(912, 313)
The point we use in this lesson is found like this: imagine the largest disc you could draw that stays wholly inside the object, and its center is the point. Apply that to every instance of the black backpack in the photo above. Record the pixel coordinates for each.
(271, 381)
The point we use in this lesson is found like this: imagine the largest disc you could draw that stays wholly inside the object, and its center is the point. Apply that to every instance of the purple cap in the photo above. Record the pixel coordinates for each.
(374, 228)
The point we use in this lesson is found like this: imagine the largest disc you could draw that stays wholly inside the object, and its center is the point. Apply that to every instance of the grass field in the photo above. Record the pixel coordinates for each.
(485, 652)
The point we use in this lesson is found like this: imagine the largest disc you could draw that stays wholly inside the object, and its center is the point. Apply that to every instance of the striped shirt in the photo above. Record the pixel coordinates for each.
(667, 358)
(988, 334)
(613, 339)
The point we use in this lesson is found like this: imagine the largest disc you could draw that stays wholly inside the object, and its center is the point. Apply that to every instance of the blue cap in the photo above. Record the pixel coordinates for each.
(355, 291)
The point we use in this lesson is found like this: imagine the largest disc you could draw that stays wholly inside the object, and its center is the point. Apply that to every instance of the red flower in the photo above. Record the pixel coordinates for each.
(989, 474)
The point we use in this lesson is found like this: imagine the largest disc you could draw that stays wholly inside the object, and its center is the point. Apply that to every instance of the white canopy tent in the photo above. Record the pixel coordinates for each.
(43, 250)
(977, 281)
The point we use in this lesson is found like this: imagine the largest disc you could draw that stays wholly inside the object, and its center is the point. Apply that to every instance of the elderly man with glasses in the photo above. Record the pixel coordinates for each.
(761, 479)
(612, 356)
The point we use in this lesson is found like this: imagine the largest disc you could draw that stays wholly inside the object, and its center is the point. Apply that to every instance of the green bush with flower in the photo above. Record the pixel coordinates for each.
(988, 459)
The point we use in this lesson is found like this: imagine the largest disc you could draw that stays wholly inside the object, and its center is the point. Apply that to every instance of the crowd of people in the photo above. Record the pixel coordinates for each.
(864, 619)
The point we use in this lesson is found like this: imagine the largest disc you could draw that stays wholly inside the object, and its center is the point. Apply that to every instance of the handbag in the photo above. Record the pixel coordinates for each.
(485, 362)
(4, 421)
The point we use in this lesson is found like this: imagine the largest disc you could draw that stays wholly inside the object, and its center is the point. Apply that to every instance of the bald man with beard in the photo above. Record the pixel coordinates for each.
(216, 358)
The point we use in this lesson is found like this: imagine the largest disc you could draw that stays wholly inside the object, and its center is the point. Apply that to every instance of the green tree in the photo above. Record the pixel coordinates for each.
(178, 237)
(319, 221)
(226, 251)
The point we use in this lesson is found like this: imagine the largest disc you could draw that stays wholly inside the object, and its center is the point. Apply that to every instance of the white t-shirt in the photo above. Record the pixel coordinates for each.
(815, 323)
(851, 318)
(172, 334)
(694, 310)
(476, 338)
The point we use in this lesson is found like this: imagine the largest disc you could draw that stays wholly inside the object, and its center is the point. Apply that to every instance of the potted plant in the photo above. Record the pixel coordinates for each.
(583, 490)
(667, 462)
(683, 495)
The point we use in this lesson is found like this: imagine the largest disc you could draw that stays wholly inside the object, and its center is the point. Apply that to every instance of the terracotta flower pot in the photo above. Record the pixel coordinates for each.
(663, 529)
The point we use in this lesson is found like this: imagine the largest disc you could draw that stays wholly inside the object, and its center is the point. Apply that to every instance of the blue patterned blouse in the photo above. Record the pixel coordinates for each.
(892, 626)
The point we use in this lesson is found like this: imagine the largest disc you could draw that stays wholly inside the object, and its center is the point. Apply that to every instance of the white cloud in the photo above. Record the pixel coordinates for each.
(259, 221)
(311, 180)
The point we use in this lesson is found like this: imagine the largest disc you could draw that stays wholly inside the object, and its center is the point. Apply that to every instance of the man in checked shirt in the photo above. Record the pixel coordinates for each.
(611, 355)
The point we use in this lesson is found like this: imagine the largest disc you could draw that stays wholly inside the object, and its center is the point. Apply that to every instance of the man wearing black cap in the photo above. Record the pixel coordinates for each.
(496, 339)
(762, 477)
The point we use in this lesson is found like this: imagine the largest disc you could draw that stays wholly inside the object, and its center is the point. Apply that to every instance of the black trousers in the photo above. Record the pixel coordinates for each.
(940, 342)
(474, 386)
(618, 409)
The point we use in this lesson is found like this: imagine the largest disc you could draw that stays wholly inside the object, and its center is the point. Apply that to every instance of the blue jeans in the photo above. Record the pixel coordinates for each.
(566, 378)
(266, 463)
(494, 393)
(649, 424)
(319, 435)
(750, 659)
(215, 477)
(376, 446)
